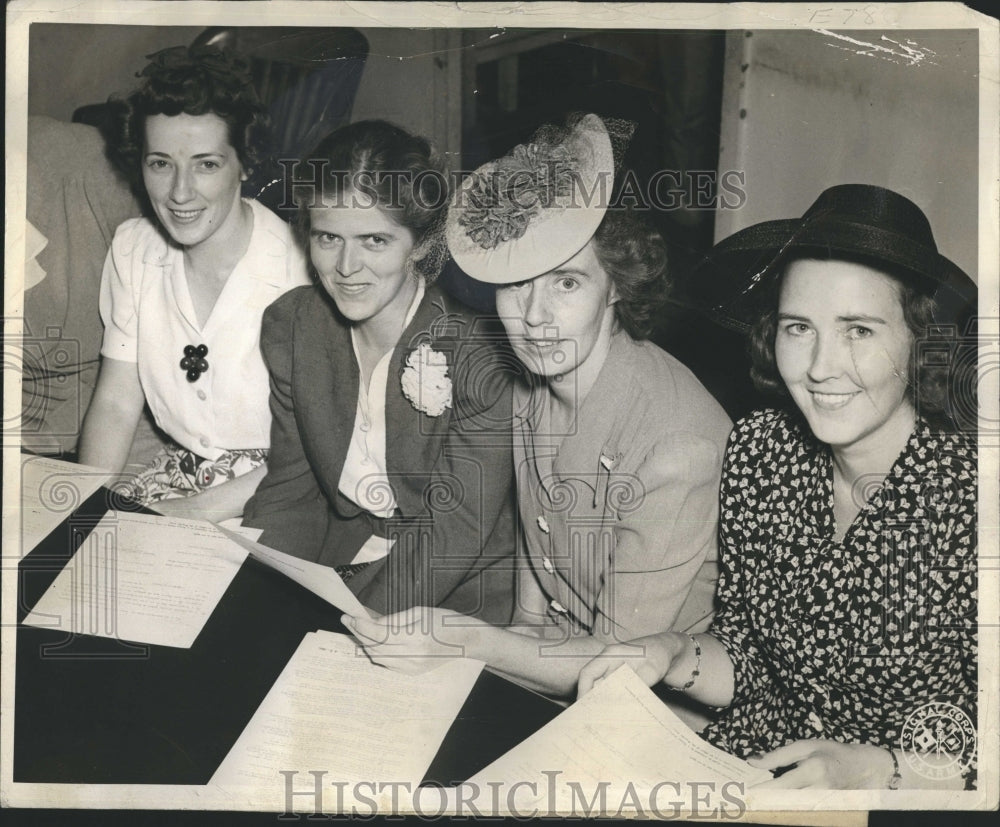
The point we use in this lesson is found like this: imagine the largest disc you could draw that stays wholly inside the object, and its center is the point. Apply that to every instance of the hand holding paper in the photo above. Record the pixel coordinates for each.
(412, 641)
(827, 765)
(619, 731)
(649, 657)
(320, 580)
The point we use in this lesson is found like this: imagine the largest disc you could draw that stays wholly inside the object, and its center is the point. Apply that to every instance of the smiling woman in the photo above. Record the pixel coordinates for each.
(182, 295)
(360, 255)
(842, 348)
(192, 177)
(847, 599)
(391, 456)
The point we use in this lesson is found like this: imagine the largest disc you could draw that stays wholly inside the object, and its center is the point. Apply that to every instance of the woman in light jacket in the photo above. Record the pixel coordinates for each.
(617, 446)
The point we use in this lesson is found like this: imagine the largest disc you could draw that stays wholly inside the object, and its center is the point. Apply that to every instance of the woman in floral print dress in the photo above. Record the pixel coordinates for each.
(843, 653)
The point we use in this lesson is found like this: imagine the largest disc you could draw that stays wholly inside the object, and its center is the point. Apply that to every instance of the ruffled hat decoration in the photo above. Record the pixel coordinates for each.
(538, 206)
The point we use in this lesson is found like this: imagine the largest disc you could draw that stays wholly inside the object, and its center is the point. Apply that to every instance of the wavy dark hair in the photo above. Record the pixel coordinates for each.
(634, 255)
(189, 80)
(401, 172)
(928, 382)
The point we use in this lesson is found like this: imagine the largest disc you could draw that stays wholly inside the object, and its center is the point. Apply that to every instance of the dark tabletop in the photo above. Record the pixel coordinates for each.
(92, 710)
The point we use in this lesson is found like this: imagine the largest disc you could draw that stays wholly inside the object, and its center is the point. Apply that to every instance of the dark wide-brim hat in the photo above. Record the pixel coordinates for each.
(857, 222)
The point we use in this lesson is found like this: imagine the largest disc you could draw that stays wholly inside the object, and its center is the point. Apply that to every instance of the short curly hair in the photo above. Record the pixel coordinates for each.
(380, 160)
(634, 256)
(928, 381)
(189, 80)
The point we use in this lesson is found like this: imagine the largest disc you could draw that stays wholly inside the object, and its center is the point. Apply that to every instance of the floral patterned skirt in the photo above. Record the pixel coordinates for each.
(177, 472)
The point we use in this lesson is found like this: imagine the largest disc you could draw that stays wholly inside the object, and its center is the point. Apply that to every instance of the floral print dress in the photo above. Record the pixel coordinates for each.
(177, 472)
(844, 640)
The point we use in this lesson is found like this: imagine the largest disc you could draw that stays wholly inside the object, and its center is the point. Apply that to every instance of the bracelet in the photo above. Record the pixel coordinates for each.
(895, 778)
(697, 666)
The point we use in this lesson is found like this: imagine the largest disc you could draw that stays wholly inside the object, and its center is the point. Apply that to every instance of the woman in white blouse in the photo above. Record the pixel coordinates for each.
(182, 296)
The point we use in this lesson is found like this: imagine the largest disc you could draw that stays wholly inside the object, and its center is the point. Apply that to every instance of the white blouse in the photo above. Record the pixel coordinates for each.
(149, 318)
(363, 479)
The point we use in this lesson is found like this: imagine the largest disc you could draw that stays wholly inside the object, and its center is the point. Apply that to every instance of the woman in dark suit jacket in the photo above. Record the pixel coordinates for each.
(390, 449)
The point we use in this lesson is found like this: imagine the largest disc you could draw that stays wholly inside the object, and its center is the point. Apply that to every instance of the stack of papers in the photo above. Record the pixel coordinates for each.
(619, 750)
(336, 722)
(334, 714)
(141, 578)
(50, 490)
(153, 579)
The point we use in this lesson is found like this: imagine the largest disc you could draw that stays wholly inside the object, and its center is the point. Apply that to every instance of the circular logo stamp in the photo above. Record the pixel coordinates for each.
(938, 740)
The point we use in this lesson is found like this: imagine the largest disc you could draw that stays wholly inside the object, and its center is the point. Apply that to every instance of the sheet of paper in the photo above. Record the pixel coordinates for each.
(234, 524)
(320, 580)
(147, 579)
(50, 490)
(374, 548)
(620, 730)
(333, 711)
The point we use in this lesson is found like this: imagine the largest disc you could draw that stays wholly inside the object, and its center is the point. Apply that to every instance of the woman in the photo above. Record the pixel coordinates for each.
(182, 295)
(390, 454)
(618, 447)
(848, 519)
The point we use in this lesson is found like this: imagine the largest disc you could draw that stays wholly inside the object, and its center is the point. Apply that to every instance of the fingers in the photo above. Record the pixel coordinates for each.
(593, 673)
(808, 767)
(784, 756)
(809, 773)
(599, 668)
(405, 618)
(610, 660)
(367, 629)
(387, 656)
(380, 627)
(798, 778)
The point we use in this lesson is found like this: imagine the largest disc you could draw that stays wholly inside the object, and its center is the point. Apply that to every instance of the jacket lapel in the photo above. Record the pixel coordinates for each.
(325, 388)
(413, 439)
(592, 450)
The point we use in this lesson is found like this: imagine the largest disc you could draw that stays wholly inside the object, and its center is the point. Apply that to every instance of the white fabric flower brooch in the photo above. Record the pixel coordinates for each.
(425, 380)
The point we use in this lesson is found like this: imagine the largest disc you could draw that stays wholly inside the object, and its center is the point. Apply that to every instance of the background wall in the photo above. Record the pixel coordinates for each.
(804, 110)
(73, 65)
(412, 76)
(801, 110)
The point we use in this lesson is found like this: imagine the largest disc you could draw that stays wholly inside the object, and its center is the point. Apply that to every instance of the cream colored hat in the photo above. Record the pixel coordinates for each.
(538, 206)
